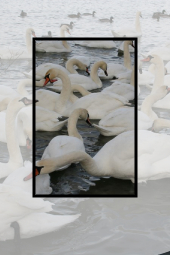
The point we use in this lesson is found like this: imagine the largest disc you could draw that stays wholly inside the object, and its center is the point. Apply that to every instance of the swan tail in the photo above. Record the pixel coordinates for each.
(42, 223)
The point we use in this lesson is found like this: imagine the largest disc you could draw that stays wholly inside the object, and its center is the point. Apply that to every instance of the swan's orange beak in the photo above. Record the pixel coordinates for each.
(87, 71)
(146, 59)
(88, 122)
(28, 177)
(46, 81)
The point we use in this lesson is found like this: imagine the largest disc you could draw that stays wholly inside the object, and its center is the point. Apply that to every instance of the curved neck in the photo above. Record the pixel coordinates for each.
(79, 89)
(159, 75)
(4, 103)
(72, 124)
(85, 160)
(94, 75)
(11, 136)
(137, 23)
(21, 86)
(147, 105)
(65, 92)
(70, 65)
(66, 45)
(127, 60)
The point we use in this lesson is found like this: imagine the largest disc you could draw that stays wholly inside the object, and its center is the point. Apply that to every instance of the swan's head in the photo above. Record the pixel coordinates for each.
(83, 67)
(139, 14)
(30, 31)
(155, 59)
(50, 75)
(37, 172)
(84, 115)
(103, 66)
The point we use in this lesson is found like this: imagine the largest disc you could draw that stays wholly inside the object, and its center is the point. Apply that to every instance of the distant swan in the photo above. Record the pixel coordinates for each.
(107, 20)
(74, 15)
(89, 14)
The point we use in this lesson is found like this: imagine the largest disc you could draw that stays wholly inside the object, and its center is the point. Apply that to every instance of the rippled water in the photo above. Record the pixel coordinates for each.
(130, 226)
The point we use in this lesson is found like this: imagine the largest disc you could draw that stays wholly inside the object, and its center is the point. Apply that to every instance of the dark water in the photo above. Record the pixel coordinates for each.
(75, 180)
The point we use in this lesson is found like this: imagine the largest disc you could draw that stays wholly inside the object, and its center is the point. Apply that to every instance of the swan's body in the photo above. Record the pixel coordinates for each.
(116, 122)
(55, 46)
(61, 145)
(17, 53)
(47, 120)
(128, 31)
(89, 83)
(153, 156)
(107, 20)
(97, 44)
(160, 124)
(116, 158)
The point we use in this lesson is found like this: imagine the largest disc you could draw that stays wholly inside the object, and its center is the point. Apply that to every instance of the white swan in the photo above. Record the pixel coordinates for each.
(128, 30)
(43, 68)
(32, 215)
(116, 122)
(118, 164)
(61, 145)
(15, 158)
(47, 99)
(55, 46)
(153, 156)
(113, 69)
(151, 99)
(15, 53)
(89, 83)
(97, 44)
(97, 104)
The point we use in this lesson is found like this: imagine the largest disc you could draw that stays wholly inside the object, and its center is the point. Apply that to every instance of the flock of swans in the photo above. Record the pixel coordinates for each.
(110, 106)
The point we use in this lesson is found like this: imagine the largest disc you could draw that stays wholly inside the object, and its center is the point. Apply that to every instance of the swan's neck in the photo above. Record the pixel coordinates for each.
(70, 66)
(94, 75)
(29, 42)
(21, 87)
(137, 23)
(66, 45)
(11, 136)
(127, 60)
(4, 103)
(159, 76)
(79, 89)
(65, 92)
(72, 124)
(147, 106)
(85, 160)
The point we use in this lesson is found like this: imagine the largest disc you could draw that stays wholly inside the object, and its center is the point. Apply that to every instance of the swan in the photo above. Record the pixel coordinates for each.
(128, 30)
(15, 158)
(107, 20)
(49, 34)
(74, 15)
(69, 25)
(15, 53)
(159, 70)
(116, 122)
(63, 144)
(47, 120)
(89, 83)
(89, 14)
(85, 60)
(55, 46)
(97, 104)
(32, 215)
(118, 164)
(162, 52)
(153, 156)
(113, 69)
(70, 64)
(151, 99)
(160, 124)
(97, 44)
(47, 99)
(160, 14)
